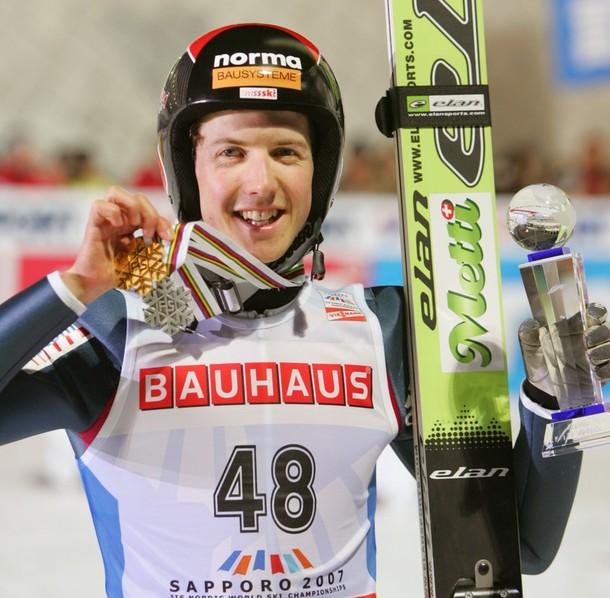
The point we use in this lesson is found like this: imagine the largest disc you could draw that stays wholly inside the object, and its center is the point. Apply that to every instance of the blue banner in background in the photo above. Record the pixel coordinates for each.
(581, 42)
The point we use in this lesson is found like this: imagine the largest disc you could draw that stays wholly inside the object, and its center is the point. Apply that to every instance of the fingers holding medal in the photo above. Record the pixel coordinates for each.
(135, 211)
(109, 239)
(138, 261)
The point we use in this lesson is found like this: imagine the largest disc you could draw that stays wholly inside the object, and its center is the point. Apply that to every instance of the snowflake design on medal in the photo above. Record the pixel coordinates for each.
(168, 307)
(141, 266)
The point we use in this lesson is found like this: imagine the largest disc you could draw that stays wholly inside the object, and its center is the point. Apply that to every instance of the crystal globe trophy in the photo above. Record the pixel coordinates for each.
(541, 219)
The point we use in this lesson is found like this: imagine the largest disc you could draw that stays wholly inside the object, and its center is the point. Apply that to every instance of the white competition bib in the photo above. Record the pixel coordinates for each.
(240, 460)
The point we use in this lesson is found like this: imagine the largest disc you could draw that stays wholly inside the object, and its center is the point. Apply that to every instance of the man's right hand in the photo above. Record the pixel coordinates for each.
(112, 222)
(588, 350)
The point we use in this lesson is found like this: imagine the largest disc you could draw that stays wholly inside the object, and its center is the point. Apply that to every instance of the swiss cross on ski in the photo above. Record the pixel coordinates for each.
(447, 209)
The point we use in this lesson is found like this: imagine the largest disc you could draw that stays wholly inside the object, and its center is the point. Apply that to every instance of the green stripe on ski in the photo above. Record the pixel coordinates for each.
(453, 276)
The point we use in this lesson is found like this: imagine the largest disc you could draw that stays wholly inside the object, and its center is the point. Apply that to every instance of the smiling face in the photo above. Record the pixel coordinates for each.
(254, 171)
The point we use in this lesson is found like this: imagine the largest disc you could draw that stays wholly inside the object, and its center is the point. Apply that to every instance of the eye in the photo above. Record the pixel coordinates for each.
(230, 152)
(286, 153)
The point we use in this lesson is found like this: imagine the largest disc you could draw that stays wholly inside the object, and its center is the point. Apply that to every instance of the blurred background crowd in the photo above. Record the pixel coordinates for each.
(23, 163)
(369, 167)
(79, 103)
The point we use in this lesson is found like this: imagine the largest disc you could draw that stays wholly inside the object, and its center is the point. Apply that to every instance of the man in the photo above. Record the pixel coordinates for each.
(236, 454)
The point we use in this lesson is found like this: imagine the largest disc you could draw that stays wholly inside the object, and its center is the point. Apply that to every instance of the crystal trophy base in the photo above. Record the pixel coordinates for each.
(589, 427)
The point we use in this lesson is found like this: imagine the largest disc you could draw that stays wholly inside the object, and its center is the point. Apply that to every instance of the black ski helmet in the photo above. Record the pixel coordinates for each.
(251, 66)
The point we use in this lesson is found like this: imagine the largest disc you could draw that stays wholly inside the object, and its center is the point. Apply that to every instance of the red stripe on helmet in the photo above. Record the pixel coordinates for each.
(197, 45)
(313, 49)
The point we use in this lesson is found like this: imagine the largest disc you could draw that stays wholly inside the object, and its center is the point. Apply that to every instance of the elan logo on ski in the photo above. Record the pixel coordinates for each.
(448, 104)
(469, 472)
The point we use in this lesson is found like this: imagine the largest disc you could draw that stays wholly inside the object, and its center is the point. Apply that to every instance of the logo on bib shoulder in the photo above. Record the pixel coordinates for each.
(342, 306)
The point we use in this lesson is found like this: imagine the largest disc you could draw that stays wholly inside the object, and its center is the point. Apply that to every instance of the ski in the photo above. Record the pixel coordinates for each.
(437, 109)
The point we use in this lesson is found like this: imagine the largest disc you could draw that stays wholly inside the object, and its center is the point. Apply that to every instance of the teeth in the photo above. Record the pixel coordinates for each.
(258, 216)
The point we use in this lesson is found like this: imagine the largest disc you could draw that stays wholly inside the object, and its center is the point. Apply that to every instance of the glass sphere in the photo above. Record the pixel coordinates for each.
(540, 217)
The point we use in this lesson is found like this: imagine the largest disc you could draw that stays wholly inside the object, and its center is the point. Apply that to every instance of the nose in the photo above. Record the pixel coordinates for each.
(260, 179)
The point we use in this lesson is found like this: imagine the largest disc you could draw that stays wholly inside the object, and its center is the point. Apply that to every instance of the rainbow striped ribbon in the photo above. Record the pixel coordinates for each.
(198, 250)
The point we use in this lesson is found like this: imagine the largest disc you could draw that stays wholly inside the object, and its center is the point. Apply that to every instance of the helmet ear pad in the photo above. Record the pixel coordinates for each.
(183, 161)
(327, 135)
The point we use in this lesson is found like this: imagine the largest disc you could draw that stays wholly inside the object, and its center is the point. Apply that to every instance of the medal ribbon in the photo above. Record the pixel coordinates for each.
(200, 256)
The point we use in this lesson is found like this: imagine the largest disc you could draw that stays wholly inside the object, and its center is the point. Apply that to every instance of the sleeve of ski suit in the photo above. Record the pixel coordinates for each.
(545, 488)
(57, 371)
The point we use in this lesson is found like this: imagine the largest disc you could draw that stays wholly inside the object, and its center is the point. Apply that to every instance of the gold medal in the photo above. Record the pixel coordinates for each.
(141, 266)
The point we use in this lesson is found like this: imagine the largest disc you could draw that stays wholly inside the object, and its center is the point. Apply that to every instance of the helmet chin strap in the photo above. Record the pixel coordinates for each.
(308, 240)
(318, 270)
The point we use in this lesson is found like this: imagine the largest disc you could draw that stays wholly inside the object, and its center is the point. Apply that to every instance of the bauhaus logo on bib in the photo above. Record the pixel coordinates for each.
(166, 387)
